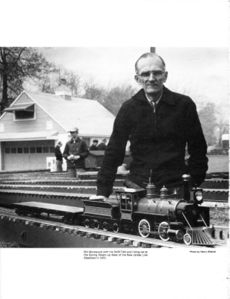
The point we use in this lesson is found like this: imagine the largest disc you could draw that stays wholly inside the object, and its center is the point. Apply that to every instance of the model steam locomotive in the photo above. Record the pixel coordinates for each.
(168, 216)
(176, 217)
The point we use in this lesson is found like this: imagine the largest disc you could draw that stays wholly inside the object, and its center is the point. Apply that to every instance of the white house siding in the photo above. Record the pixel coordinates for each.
(42, 121)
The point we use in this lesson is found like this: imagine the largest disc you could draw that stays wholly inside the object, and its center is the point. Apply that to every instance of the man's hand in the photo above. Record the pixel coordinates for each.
(98, 197)
(73, 157)
(70, 157)
(76, 157)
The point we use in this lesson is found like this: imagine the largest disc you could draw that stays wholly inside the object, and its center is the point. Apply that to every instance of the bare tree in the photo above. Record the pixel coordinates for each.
(111, 99)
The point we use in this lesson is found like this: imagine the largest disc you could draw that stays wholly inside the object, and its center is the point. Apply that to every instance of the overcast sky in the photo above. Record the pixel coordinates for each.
(201, 72)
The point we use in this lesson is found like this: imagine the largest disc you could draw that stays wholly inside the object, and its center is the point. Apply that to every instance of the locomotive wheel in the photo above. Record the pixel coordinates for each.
(163, 231)
(86, 223)
(105, 226)
(187, 239)
(179, 235)
(144, 228)
(116, 227)
(96, 224)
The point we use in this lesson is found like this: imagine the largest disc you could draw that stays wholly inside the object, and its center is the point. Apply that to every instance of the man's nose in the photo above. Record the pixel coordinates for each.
(151, 76)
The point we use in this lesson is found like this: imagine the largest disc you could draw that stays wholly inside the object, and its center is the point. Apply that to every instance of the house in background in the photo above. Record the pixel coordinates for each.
(33, 123)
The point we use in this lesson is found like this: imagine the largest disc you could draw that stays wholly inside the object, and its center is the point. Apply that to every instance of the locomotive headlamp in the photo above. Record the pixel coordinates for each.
(198, 196)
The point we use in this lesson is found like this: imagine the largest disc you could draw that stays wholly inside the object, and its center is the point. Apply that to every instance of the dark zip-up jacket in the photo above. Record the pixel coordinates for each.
(157, 142)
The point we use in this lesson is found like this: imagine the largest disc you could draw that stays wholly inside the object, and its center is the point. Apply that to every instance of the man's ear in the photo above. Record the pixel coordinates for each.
(165, 76)
(137, 79)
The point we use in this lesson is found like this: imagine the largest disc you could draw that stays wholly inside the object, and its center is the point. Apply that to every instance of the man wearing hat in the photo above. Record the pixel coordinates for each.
(94, 147)
(75, 152)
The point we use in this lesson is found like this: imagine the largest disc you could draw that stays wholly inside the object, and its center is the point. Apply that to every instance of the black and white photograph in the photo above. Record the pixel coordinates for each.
(114, 159)
(114, 154)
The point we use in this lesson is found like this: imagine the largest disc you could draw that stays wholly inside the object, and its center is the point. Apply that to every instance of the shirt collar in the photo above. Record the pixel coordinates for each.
(74, 140)
(167, 96)
(151, 101)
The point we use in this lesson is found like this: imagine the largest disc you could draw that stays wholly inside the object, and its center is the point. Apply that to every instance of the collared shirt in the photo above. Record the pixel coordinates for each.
(151, 101)
(154, 103)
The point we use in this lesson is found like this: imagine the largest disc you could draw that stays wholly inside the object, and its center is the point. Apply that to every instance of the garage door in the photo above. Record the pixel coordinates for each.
(27, 155)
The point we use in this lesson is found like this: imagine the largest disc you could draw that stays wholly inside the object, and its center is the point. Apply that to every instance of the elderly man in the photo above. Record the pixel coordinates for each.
(160, 125)
(75, 152)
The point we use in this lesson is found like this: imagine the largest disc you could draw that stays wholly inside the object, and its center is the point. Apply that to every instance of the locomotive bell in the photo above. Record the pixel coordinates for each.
(163, 192)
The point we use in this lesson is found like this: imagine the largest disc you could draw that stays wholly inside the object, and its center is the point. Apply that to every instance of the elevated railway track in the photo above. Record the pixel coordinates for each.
(32, 232)
(63, 190)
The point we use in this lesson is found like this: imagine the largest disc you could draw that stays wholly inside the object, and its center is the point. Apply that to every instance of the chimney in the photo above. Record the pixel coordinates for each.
(63, 90)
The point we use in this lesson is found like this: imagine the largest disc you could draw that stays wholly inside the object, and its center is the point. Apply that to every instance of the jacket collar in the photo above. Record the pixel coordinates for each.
(167, 96)
(76, 140)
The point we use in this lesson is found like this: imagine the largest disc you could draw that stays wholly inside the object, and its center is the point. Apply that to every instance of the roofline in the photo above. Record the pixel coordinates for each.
(45, 110)
(27, 93)
(53, 118)
(28, 139)
(63, 127)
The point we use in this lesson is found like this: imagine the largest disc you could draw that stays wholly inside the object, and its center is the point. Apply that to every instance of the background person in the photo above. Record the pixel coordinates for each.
(75, 152)
(102, 146)
(58, 155)
(159, 124)
(94, 146)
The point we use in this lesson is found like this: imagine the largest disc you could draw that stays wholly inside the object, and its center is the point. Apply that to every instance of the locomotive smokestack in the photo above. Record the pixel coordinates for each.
(186, 179)
(150, 188)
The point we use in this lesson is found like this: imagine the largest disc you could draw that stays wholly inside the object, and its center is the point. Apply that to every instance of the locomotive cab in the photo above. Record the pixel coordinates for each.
(128, 199)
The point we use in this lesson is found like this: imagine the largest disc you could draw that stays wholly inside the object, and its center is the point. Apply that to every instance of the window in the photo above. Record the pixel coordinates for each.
(45, 149)
(19, 150)
(26, 150)
(126, 202)
(21, 114)
(32, 150)
(27, 113)
(13, 150)
(39, 149)
(51, 149)
(7, 150)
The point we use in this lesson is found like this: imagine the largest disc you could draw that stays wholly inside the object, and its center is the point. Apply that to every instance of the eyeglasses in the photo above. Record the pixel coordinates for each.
(156, 74)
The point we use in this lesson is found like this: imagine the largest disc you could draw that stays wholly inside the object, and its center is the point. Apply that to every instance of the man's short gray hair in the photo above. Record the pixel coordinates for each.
(146, 55)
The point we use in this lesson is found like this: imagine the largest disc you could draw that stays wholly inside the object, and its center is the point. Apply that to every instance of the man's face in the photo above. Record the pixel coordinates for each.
(74, 134)
(151, 75)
